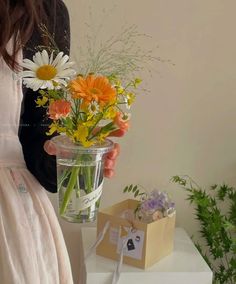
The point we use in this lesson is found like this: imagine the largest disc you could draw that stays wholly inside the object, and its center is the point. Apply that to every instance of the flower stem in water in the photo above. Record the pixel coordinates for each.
(69, 189)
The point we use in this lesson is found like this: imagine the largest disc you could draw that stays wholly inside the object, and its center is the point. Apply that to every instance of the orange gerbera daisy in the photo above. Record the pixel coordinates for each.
(93, 88)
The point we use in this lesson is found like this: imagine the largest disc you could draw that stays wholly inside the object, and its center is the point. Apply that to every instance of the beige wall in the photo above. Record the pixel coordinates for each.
(186, 124)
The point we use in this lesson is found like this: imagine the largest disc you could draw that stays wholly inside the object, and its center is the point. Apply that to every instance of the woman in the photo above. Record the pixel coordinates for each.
(32, 248)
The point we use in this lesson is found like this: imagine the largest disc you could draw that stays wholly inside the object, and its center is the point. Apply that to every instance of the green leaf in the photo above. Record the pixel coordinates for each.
(130, 188)
(125, 189)
(134, 188)
(107, 128)
(179, 180)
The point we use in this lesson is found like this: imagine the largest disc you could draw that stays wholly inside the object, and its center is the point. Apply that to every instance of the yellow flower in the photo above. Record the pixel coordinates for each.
(41, 102)
(137, 81)
(130, 99)
(102, 136)
(90, 122)
(110, 113)
(81, 135)
(61, 129)
(120, 90)
(54, 127)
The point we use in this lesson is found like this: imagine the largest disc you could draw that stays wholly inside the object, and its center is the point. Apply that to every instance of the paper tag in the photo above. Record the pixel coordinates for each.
(134, 245)
(90, 199)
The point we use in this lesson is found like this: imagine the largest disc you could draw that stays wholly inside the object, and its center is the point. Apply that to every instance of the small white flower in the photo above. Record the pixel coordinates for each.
(45, 73)
(93, 107)
(126, 103)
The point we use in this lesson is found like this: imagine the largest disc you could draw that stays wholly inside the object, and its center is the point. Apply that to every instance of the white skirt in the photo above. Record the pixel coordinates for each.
(32, 247)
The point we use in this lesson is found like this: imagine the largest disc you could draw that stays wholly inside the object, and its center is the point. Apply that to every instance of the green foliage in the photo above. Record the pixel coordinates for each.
(218, 226)
(119, 54)
(133, 189)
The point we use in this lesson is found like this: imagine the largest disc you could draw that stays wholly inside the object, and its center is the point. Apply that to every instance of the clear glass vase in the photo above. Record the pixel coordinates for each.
(79, 178)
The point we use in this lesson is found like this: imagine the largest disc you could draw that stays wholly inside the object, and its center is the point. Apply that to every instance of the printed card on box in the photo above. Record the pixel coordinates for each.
(134, 245)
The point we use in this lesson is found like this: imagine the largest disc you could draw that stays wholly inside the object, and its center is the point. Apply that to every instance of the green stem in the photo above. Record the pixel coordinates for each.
(77, 187)
(70, 187)
(106, 128)
(88, 184)
(94, 126)
(63, 177)
(73, 183)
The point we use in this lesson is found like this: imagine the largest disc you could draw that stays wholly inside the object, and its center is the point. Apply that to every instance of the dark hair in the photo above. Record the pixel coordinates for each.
(18, 19)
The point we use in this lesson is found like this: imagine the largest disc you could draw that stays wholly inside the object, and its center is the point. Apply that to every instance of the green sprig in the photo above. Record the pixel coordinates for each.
(218, 228)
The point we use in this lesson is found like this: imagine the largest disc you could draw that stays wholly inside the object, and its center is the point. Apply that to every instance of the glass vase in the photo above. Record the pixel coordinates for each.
(79, 178)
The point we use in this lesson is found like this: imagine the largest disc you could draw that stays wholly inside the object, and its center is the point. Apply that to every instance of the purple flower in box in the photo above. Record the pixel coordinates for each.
(152, 206)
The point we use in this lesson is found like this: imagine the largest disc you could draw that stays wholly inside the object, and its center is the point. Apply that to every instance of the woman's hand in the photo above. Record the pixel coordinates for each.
(110, 161)
(111, 157)
(49, 147)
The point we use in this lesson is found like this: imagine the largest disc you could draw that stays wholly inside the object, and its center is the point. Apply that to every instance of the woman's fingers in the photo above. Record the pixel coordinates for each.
(114, 152)
(50, 147)
(109, 163)
(108, 173)
(111, 160)
(111, 156)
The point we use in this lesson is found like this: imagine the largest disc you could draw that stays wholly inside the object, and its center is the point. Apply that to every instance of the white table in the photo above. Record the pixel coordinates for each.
(184, 266)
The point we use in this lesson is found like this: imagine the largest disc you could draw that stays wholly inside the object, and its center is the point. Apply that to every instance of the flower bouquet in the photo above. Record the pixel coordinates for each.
(151, 206)
(84, 109)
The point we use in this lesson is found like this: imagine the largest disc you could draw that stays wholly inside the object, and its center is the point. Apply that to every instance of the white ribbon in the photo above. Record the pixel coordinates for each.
(90, 199)
(116, 274)
(91, 250)
(98, 241)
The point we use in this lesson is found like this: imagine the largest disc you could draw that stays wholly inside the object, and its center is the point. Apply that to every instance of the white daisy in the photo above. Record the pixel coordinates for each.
(126, 102)
(93, 108)
(45, 73)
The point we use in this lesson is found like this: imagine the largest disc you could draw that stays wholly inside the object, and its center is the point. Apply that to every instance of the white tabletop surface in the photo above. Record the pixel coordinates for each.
(184, 265)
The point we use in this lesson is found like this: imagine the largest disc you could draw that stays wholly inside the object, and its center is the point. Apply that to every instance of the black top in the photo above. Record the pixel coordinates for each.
(33, 122)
